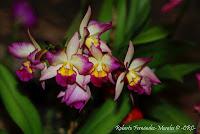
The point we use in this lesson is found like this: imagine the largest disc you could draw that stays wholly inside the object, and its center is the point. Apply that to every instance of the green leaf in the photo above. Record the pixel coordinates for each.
(104, 119)
(176, 72)
(105, 14)
(149, 35)
(138, 13)
(120, 26)
(18, 106)
(167, 113)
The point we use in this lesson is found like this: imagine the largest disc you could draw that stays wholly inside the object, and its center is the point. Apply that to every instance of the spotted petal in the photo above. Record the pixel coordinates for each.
(81, 63)
(119, 85)
(72, 46)
(138, 63)
(85, 21)
(97, 28)
(21, 49)
(50, 72)
(129, 54)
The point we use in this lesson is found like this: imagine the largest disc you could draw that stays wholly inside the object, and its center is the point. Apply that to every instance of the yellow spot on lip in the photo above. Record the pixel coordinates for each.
(27, 64)
(66, 70)
(99, 70)
(91, 40)
(133, 78)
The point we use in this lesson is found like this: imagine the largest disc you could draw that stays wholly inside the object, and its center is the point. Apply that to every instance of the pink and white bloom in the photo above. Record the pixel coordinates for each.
(168, 7)
(63, 64)
(90, 32)
(32, 53)
(103, 66)
(138, 76)
(77, 94)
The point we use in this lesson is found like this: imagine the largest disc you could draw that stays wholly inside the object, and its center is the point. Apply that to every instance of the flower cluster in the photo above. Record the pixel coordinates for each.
(84, 59)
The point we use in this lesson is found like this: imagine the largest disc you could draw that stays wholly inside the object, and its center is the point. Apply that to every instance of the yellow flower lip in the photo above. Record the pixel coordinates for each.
(132, 77)
(66, 70)
(99, 70)
(91, 40)
(27, 64)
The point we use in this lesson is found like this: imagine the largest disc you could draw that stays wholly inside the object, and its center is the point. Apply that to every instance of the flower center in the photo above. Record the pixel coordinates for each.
(27, 64)
(91, 40)
(132, 77)
(99, 70)
(66, 70)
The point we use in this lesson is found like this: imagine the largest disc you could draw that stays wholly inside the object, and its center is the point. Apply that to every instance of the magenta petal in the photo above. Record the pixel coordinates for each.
(111, 62)
(98, 82)
(142, 87)
(56, 58)
(24, 75)
(98, 28)
(170, 5)
(32, 57)
(21, 49)
(65, 80)
(75, 96)
(81, 63)
(147, 72)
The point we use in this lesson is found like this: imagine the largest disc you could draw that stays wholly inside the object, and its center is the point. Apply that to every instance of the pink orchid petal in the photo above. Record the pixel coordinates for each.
(43, 84)
(97, 28)
(65, 80)
(170, 6)
(24, 75)
(129, 54)
(50, 72)
(75, 96)
(81, 63)
(96, 52)
(98, 82)
(85, 21)
(138, 63)
(146, 85)
(147, 72)
(21, 49)
(56, 58)
(83, 80)
(72, 46)
(111, 62)
(110, 77)
(104, 47)
(119, 85)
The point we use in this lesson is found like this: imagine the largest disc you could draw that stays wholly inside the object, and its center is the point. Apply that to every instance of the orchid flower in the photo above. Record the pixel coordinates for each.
(77, 94)
(32, 53)
(170, 5)
(63, 64)
(103, 65)
(90, 32)
(23, 13)
(138, 76)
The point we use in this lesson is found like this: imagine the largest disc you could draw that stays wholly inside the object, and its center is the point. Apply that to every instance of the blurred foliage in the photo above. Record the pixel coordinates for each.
(105, 118)
(19, 107)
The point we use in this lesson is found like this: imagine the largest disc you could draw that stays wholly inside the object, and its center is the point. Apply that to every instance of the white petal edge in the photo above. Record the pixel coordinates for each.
(119, 85)
(129, 55)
